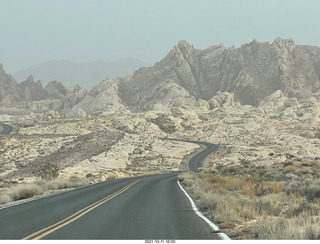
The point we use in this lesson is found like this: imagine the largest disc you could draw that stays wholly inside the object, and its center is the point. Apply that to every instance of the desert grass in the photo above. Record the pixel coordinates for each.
(259, 202)
(29, 190)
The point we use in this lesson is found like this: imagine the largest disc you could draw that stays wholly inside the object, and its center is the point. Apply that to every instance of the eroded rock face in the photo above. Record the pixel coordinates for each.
(31, 91)
(222, 100)
(8, 88)
(251, 72)
(290, 109)
(102, 99)
(32, 96)
(187, 77)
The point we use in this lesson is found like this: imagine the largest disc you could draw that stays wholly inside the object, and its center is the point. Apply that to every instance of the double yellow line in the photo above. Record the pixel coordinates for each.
(46, 231)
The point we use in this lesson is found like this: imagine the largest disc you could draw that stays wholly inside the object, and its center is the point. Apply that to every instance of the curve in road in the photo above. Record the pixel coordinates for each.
(6, 129)
(196, 162)
(148, 207)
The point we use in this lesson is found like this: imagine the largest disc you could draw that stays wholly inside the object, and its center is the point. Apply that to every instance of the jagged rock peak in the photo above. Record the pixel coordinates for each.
(30, 78)
(283, 43)
(184, 45)
(56, 88)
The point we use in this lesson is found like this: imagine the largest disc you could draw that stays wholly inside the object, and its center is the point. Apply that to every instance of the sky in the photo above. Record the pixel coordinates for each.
(35, 31)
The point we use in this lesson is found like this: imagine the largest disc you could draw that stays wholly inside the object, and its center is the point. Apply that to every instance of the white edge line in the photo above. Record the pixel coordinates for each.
(223, 236)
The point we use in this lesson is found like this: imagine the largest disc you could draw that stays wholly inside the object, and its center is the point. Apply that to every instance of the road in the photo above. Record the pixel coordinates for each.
(6, 129)
(196, 162)
(149, 207)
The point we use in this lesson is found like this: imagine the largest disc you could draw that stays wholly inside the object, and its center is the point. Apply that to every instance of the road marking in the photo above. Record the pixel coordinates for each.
(50, 229)
(223, 236)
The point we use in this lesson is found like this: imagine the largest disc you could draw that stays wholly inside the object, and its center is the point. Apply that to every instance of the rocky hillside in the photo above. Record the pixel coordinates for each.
(251, 72)
(30, 94)
(192, 77)
(187, 77)
(8, 88)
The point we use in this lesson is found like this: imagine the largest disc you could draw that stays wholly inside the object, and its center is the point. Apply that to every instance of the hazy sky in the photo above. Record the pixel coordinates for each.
(34, 31)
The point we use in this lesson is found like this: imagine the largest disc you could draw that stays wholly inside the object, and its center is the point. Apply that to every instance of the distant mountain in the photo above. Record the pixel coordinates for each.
(84, 74)
(187, 77)
(192, 77)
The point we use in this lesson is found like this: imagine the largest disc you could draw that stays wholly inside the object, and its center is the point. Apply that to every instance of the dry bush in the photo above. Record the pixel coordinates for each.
(208, 202)
(23, 191)
(111, 176)
(291, 168)
(276, 197)
(287, 229)
(26, 193)
(4, 197)
(187, 179)
(274, 186)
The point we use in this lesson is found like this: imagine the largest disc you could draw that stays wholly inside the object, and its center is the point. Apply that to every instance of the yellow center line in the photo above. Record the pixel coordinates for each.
(46, 231)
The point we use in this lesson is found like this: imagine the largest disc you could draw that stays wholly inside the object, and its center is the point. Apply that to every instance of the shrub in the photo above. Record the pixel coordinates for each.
(287, 229)
(264, 206)
(291, 168)
(5, 197)
(275, 202)
(26, 193)
(89, 176)
(312, 232)
(312, 193)
(23, 191)
(208, 202)
(111, 176)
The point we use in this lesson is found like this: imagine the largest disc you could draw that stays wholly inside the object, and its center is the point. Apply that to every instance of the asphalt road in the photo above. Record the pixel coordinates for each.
(141, 208)
(196, 162)
(6, 129)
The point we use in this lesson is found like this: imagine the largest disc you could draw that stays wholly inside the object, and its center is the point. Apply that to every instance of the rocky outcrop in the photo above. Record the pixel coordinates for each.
(8, 88)
(101, 99)
(201, 80)
(290, 109)
(31, 95)
(31, 91)
(222, 100)
(205, 79)
(56, 89)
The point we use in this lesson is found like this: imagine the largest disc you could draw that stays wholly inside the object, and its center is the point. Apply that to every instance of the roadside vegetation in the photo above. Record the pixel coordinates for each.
(28, 190)
(48, 181)
(279, 202)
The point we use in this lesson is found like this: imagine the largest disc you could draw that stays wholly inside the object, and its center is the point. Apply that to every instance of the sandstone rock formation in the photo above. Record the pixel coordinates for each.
(194, 78)
(31, 96)
(190, 78)
(251, 72)
(8, 88)
(101, 99)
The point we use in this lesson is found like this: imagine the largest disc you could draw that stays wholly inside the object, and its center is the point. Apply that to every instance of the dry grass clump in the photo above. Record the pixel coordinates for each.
(288, 229)
(24, 191)
(252, 202)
